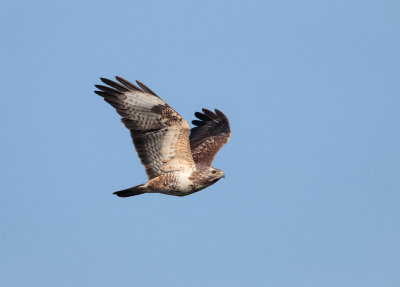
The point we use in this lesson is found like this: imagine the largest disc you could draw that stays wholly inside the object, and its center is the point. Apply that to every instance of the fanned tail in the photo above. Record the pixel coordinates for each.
(136, 190)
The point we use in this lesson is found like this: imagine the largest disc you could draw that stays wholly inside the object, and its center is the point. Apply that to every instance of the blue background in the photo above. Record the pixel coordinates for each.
(311, 195)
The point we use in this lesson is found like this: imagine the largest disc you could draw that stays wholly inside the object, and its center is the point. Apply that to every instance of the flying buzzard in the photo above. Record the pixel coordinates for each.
(176, 163)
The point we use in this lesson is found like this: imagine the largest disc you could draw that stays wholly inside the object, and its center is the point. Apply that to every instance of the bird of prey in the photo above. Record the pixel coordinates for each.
(177, 161)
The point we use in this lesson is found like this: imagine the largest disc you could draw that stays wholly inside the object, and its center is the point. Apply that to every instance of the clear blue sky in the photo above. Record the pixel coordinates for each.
(312, 189)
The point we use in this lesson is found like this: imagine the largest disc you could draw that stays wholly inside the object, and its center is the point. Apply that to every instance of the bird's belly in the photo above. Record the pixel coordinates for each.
(186, 186)
(184, 183)
(176, 183)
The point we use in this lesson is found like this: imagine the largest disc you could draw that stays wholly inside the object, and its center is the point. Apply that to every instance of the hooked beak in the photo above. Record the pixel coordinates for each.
(222, 175)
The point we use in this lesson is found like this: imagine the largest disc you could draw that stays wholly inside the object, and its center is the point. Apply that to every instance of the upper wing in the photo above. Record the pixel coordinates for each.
(212, 131)
(158, 132)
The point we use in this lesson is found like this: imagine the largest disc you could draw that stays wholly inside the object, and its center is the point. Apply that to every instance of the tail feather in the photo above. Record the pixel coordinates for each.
(136, 190)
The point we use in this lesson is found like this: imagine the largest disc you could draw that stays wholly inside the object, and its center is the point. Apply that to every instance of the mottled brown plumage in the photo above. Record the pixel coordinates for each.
(211, 133)
(176, 163)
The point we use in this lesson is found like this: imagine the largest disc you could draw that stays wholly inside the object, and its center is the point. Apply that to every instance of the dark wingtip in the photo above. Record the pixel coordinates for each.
(198, 123)
(201, 116)
(221, 114)
(108, 90)
(206, 111)
(128, 84)
(145, 88)
(208, 115)
(101, 93)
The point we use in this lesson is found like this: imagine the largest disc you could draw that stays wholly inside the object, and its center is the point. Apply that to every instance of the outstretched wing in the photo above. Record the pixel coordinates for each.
(212, 131)
(158, 132)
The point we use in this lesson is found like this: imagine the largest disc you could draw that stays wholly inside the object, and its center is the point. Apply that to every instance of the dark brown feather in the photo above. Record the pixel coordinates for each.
(128, 84)
(108, 90)
(210, 133)
(146, 89)
(114, 85)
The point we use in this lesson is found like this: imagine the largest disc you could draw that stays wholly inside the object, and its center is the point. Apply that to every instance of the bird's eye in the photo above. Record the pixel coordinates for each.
(214, 171)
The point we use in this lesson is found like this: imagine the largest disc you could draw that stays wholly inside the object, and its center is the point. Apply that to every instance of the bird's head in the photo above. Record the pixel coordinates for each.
(215, 174)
